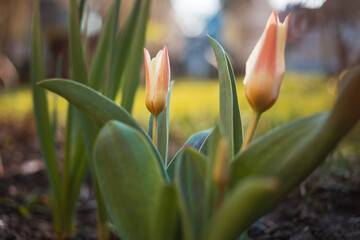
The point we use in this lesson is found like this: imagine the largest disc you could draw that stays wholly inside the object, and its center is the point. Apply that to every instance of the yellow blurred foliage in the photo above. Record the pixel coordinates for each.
(195, 104)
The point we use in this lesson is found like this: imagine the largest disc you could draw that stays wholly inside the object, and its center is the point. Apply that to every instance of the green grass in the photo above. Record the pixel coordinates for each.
(195, 104)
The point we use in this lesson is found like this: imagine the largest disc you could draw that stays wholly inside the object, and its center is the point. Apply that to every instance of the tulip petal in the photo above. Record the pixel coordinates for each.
(267, 56)
(156, 64)
(265, 67)
(148, 67)
(165, 78)
(157, 80)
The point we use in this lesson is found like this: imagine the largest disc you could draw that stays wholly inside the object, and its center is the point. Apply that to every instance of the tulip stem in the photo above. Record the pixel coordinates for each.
(154, 130)
(251, 130)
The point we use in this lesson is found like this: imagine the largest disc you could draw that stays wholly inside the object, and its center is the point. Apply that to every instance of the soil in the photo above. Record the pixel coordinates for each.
(313, 211)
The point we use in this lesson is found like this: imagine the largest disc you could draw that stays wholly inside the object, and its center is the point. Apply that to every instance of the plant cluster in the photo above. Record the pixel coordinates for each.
(220, 181)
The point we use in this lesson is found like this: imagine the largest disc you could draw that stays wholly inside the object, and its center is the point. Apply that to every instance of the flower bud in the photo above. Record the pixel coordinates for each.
(265, 67)
(157, 73)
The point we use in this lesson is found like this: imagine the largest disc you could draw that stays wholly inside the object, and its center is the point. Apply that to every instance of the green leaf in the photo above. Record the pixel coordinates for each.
(128, 60)
(134, 59)
(130, 177)
(163, 128)
(92, 103)
(95, 105)
(81, 9)
(205, 144)
(291, 152)
(303, 144)
(103, 49)
(270, 150)
(89, 128)
(75, 166)
(230, 118)
(170, 170)
(43, 124)
(346, 112)
(119, 58)
(190, 185)
(58, 68)
(166, 217)
(210, 189)
(239, 208)
(238, 127)
(78, 64)
(195, 141)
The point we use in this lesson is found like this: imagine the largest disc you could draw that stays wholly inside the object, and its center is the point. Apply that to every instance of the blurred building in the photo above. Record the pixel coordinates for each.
(323, 39)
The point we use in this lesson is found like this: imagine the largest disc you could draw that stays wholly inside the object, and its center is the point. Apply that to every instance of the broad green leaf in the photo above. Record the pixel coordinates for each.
(210, 189)
(189, 181)
(196, 141)
(130, 178)
(103, 49)
(95, 105)
(268, 148)
(131, 75)
(91, 102)
(90, 131)
(291, 152)
(346, 112)
(43, 124)
(205, 144)
(239, 207)
(165, 220)
(229, 107)
(163, 128)
(170, 170)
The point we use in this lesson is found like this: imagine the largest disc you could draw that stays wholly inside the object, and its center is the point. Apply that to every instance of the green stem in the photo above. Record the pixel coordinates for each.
(251, 130)
(154, 130)
(102, 224)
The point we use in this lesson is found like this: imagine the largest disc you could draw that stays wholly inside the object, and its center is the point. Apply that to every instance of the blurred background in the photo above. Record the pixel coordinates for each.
(323, 35)
(322, 42)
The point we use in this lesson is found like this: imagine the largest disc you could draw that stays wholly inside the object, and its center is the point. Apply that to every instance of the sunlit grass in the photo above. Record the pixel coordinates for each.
(195, 104)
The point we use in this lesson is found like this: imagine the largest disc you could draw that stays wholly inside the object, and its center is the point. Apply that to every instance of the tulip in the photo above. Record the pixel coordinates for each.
(265, 69)
(157, 76)
(157, 80)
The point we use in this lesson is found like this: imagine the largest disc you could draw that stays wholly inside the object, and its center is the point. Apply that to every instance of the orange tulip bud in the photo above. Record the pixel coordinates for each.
(265, 67)
(157, 73)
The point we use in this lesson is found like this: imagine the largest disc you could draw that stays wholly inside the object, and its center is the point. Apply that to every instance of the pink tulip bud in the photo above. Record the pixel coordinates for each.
(265, 67)
(157, 80)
